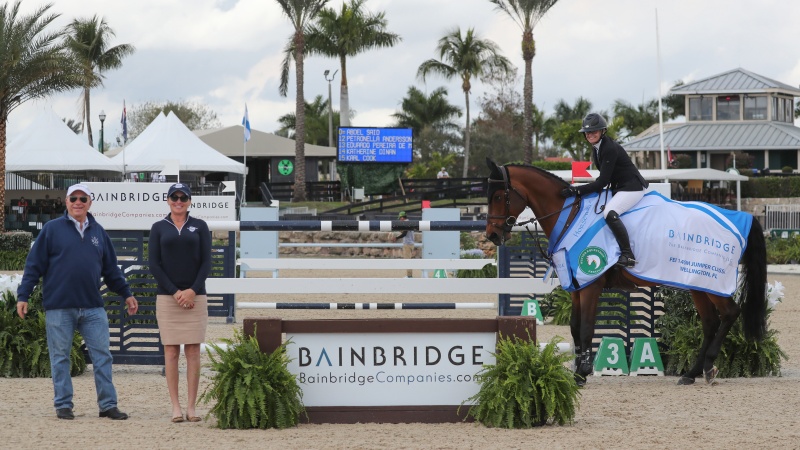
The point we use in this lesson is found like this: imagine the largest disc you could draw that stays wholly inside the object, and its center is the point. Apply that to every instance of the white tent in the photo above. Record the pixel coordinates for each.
(166, 139)
(49, 145)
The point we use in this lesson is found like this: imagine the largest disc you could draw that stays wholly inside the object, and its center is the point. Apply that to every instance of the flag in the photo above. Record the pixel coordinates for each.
(670, 159)
(246, 124)
(579, 169)
(124, 121)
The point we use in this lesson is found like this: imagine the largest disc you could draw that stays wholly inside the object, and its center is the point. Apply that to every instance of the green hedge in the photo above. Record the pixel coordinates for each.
(771, 187)
(14, 248)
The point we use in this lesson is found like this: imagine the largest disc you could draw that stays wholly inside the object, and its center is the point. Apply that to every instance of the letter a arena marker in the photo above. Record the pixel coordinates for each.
(645, 358)
(531, 308)
(611, 358)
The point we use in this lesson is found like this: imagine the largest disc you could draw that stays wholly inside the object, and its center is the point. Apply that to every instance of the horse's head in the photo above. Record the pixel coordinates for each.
(505, 204)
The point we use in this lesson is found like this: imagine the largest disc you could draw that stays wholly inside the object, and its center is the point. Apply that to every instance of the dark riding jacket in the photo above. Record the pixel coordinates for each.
(616, 169)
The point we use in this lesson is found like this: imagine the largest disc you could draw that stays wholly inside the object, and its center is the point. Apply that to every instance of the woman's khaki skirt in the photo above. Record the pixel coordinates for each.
(178, 325)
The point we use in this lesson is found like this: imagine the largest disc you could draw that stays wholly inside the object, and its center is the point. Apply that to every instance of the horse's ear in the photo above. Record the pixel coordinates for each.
(491, 164)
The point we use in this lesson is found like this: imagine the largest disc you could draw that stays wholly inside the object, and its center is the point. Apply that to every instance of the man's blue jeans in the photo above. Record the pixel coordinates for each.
(92, 323)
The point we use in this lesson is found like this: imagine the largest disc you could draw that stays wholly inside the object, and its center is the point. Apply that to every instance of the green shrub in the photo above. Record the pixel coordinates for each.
(15, 240)
(526, 387)
(252, 389)
(787, 169)
(783, 251)
(771, 187)
(488, 271)
(558, 305)
(13, 259)
(23, 343)
(14, 248)
(467, 241)
(682, 334)
(553, 165)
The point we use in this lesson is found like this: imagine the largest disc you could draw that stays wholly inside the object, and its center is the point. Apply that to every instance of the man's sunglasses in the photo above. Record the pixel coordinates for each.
(179, 198)
(75, 198)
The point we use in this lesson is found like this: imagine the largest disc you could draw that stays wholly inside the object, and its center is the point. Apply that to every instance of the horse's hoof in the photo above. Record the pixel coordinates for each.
(710, 375)
(685, 381)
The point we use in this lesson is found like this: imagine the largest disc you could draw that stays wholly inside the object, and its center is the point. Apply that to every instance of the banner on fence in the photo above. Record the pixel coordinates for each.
(135, 206)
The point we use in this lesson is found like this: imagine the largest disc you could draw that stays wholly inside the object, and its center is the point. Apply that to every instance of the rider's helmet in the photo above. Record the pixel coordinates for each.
(593, 122)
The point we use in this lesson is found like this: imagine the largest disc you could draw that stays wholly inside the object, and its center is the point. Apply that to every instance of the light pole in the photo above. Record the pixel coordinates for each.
(330, 107)
(102, 119)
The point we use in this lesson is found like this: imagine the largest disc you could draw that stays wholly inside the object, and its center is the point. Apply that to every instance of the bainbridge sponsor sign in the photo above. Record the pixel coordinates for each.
(136, 206)
(379, 369)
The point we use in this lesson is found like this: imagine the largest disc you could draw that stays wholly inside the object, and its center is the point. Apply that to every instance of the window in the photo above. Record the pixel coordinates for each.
(728, 107)
(755, 108)
(782, 109)
(700, 108)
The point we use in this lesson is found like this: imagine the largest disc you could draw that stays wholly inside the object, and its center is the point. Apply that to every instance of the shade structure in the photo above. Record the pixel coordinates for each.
(49, 145)
(168, 139)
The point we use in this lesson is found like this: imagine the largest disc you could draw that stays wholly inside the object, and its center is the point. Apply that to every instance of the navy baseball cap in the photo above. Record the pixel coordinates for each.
(180, 187)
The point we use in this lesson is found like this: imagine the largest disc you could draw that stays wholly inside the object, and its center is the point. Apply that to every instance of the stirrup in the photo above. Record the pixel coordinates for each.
(626, 261)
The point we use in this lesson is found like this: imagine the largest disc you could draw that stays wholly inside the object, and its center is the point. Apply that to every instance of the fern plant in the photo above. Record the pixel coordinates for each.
(682, 334)
(558, 305)
(23, 343)
(252, 389)
(526, 387)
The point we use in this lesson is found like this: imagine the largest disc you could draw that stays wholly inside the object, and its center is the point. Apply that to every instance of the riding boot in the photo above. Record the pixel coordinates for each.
(616, 226)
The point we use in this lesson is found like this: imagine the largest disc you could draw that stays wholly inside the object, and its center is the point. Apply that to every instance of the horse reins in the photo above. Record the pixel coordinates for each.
(509, 221)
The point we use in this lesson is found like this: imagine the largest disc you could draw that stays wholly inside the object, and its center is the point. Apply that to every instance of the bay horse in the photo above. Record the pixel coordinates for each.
(513, 187)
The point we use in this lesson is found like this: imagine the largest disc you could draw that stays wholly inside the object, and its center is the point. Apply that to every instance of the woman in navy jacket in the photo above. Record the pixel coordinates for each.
(180, 260)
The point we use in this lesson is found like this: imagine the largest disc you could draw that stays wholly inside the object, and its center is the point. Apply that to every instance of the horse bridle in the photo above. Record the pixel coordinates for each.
(509, 221)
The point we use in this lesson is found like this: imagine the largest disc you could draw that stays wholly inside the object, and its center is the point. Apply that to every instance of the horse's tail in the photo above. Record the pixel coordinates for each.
(753, 287)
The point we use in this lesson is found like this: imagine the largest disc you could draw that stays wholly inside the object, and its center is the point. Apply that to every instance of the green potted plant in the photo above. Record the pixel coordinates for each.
(526, 387)
(250, 388)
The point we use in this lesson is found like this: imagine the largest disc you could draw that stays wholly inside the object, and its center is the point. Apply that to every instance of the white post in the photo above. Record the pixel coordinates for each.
(660, 112)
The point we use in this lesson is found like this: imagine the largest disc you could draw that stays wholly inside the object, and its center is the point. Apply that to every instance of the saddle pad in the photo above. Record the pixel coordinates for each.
(687, 245)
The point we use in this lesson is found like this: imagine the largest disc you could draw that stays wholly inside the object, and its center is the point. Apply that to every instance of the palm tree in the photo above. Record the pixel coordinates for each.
(33, 65)
(350, 32)
(88, 41)
(419, 111)
(316, 123)
(74, 126)
(636, 119)
(300, 14)
(526, 14)
(564, 124)
(465, 56)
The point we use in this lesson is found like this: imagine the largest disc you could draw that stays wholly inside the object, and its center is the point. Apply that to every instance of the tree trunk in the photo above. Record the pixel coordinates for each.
(300, 124)
(466, 139)
(344, 98)
(3, 123)
(528, 51)
(88, 116)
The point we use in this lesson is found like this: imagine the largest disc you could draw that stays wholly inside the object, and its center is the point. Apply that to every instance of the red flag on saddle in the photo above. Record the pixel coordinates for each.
(579, 169)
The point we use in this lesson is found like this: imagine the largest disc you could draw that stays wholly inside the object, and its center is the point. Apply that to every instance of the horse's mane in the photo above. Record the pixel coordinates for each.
(541, 171)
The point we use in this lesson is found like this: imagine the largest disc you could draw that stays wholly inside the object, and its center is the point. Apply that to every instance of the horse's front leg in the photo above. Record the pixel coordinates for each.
(575, 328)
(588, 300)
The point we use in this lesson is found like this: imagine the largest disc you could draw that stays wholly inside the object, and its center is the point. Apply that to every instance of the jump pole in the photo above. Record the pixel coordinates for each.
(373, 306)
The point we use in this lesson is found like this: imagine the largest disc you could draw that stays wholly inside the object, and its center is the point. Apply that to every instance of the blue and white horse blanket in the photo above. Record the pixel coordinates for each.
(688, 245)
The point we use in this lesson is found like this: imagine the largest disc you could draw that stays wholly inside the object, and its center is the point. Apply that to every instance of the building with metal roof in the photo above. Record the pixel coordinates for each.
(735, 111)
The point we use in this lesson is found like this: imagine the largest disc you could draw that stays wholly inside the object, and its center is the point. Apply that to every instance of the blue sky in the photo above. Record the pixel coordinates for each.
(227, 52)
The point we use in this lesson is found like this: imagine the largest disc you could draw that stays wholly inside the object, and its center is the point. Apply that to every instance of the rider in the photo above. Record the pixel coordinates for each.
(616, 169)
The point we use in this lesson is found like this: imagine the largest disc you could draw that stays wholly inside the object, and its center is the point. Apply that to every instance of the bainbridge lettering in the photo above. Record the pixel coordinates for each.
(395, 356)
(698, 238)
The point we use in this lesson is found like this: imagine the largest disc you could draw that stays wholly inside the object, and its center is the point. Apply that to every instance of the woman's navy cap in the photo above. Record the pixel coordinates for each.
(179, 187)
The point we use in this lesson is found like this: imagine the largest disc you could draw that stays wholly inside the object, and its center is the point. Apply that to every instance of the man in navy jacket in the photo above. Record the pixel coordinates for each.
(71, 255)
